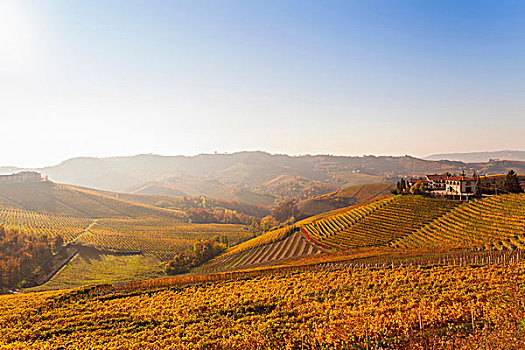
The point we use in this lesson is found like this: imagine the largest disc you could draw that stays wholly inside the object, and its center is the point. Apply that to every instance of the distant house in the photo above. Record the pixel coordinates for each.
(460, 185)
(453, 187)
(21, 177)
(437, 182)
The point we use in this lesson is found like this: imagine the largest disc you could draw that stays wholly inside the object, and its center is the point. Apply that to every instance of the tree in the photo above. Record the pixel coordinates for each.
(268, 222)
(512, 183)
(478, 189)
(418, 188)
(179, 264)
(286, 210)
(403, 185)
(207, 249)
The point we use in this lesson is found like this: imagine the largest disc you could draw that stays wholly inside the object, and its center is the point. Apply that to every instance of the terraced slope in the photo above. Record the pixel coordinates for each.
(321, 228)
(493, 223)
(379, 222)
(258, 250)
(279, 234)
(266, 238)
(293, 246)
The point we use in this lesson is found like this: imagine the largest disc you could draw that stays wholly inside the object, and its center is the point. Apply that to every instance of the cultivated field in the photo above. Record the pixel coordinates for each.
(440, 307)
(294, 245)
(68, 227)
(398, 222)
(160, 236)
(493, 223)
(57, 199)
(379, 222)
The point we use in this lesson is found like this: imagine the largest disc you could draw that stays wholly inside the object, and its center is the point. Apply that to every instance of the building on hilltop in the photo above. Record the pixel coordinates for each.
(437, 182)
(460, 185)
(22, 177)
(445, 186)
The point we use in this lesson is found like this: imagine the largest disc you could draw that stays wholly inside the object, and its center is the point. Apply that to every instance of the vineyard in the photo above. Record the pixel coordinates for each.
(494, 223)
(293, 246)
(69, 228)
(369, 224)
(440, 307)
(57, 199)
(160, 236)
(377, 223)
(397, 222)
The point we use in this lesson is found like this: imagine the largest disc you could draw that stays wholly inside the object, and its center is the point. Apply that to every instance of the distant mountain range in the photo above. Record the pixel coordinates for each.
(479, 157)
(252, 177)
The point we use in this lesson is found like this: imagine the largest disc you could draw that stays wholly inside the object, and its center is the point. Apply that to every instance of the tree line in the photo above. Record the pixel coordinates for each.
(203, 250)
(22, 254)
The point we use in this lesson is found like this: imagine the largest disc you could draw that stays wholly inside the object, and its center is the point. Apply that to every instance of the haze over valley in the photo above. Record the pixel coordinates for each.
(299, 175)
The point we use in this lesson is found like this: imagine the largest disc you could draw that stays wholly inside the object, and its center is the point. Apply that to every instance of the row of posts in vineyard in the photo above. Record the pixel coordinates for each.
(459, 258)
(451, 259)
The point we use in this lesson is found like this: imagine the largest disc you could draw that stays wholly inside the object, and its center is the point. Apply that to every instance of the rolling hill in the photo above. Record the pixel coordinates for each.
(343, 198)
(254, 177)
(394, 222)
(186, 203)
(57, 199)
(479, 157)
(119, 229)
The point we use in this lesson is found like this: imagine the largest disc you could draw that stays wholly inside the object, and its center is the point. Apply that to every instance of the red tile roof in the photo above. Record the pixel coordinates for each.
(437, 177)
(460, 178)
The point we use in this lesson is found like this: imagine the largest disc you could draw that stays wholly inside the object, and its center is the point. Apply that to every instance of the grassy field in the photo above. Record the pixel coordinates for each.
(91, 266)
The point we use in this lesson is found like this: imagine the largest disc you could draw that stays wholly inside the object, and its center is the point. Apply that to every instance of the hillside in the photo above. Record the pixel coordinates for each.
(479, 157)
(248, 176)
(185, 204)
(192, 186)
(343, 198)
(404, 307)
(495, 223)
(57, 199)
(398, 222)
(119, 230)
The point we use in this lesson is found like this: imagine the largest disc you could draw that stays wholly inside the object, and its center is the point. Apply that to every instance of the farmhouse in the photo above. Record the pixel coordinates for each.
(445, 186)
(460, 185)
(436, 182)
(21, 177)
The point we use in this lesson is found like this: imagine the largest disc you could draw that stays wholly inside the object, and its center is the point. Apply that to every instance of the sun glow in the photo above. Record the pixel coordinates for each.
(16, 38)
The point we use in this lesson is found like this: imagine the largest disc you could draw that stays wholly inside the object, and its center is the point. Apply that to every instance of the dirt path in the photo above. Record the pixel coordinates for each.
(86, 231)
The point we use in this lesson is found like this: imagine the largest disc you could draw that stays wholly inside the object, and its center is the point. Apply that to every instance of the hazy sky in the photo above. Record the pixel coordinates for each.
(103, 78)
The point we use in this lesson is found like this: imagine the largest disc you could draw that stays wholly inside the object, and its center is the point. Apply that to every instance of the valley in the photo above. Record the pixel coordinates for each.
(283, 276)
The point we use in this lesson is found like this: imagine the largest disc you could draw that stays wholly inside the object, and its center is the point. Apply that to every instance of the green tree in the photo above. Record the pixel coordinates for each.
(512, 183)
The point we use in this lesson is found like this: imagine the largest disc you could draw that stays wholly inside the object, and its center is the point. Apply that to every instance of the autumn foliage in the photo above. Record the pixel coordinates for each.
(22, 254)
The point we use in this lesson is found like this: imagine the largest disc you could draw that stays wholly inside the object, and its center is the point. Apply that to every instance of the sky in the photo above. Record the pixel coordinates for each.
(106, 78)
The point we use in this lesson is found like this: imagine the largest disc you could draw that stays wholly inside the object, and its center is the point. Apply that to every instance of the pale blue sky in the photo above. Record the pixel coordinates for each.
(104, 78)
